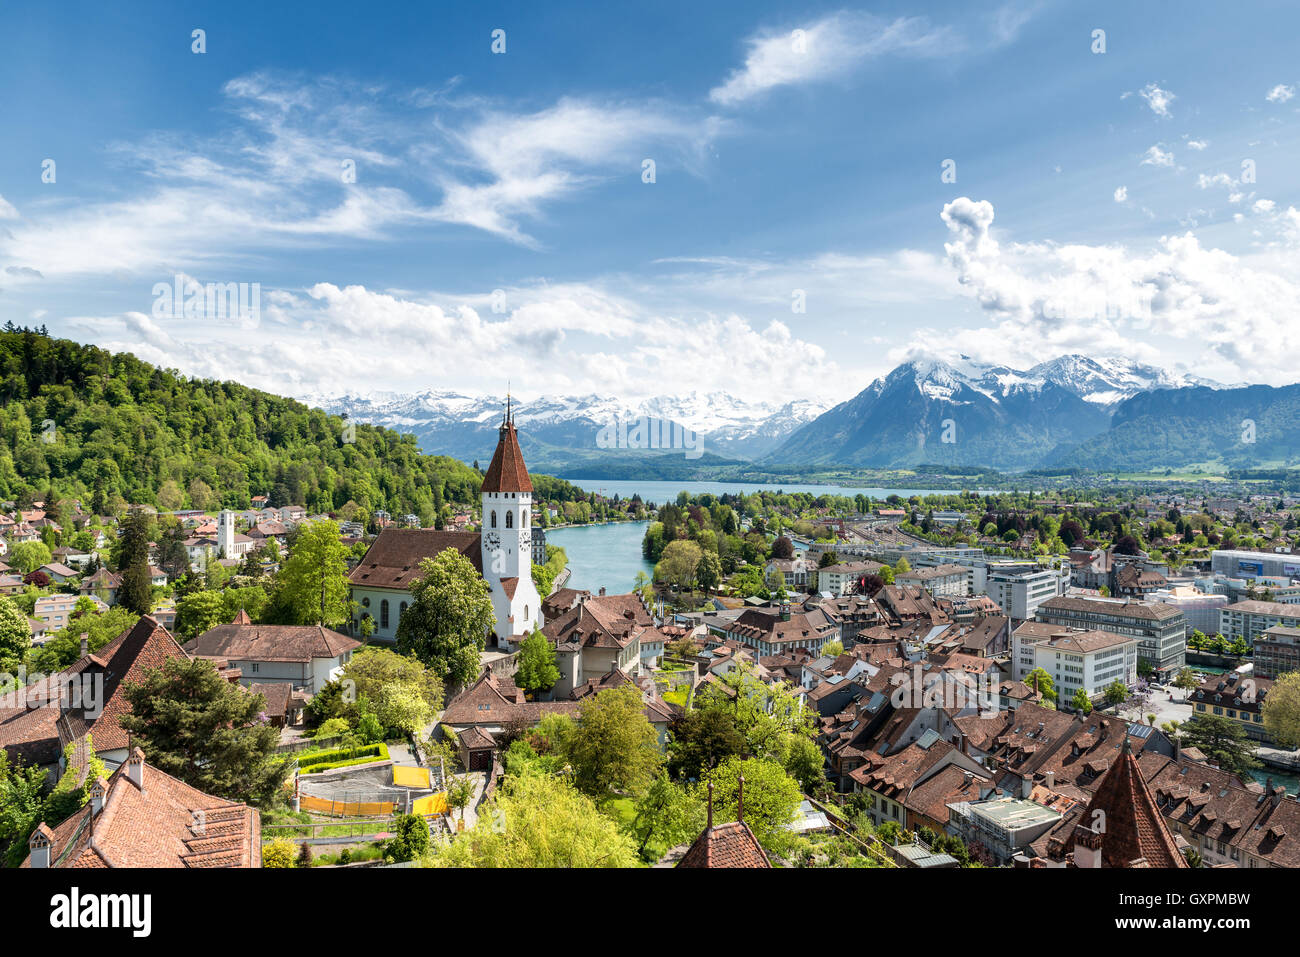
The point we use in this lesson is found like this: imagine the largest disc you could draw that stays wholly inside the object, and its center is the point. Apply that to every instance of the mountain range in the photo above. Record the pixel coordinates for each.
(562, 431)
(1073, 412)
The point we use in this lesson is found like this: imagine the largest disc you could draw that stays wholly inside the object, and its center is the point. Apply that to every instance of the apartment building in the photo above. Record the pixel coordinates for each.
(1021, 589)
(1277, 651)
(1161, 629)
(1250, 618)
(1087, 660)
(949, 580)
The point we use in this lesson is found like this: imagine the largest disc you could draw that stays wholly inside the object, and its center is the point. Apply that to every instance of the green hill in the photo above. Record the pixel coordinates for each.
(110, 429)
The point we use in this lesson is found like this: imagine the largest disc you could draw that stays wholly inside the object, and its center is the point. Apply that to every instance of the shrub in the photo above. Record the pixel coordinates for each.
(333, 728)
(278, 853)
(312, 762)
(410, 838)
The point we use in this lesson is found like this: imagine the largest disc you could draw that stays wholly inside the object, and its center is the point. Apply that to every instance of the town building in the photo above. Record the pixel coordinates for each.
(1250, 618)
(1080, 660)
(1237, 697)
(305, 657)
(142, 817)
(777, 631)
(1020, 590)
(1277, 651)
(1161, 629)
(1243, 564)
(843, 578)
(947, 581)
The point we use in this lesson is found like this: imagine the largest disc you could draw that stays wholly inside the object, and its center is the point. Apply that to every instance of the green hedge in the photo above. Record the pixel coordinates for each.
(313, 761)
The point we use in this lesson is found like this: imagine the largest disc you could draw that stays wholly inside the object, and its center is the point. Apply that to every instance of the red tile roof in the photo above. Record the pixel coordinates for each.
(164, 823)
(296, 643)
(726, 845)
(393, 561)
(507, 473)
(145, 646)
(1129, 827)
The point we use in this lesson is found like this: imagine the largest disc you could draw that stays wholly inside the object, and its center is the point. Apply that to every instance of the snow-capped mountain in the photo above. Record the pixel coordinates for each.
(962, 412)
(452, 423)
(1103, 382)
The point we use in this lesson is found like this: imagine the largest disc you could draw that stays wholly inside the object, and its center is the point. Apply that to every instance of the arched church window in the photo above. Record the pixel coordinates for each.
(525, 519)
(494, 518)
(510, 519)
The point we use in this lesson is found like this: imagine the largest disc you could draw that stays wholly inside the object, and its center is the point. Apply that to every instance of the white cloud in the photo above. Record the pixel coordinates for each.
(1280, 93)
(1155, 156)
(1121, 194)
(1263, 206)
(1197, 144)
(554, 338)
(828, 48)
(1157, 99)
(1218, 179)
(7, 210)
(1056, 296)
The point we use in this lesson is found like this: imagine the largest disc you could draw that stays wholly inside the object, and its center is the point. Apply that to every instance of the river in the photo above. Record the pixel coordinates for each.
(602, 556)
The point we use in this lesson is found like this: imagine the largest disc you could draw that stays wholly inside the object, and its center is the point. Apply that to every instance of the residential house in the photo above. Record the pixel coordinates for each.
(305, 657)
(142, 817)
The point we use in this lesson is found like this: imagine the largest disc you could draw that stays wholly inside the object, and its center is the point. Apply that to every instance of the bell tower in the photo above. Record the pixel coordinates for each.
(507, 500)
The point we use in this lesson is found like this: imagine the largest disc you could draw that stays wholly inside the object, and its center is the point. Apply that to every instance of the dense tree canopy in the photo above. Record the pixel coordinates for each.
(126, 431)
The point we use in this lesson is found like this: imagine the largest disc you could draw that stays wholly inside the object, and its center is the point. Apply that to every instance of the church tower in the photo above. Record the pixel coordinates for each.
(507, 498)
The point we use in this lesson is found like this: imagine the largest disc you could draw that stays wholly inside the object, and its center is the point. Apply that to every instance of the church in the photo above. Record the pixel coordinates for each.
(501, 551)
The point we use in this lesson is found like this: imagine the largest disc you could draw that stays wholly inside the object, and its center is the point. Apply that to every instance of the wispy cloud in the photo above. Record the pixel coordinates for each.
(827, 48)
(305, 163)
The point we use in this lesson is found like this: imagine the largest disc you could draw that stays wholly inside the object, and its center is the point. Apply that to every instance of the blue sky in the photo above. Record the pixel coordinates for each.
(499, 225)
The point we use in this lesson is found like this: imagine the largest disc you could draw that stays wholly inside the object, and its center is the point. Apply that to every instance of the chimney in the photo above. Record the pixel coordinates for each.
(40, 843)
(98, 791)
(1026, 787)
(1051, 779)
(135, 768)
(85, 644)
(602, 591)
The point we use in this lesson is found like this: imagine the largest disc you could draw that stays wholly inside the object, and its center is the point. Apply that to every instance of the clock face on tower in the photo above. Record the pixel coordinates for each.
(492, 540)
(525, 539)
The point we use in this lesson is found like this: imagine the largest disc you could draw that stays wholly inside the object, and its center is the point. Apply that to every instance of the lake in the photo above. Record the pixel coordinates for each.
(602, 556)
(661, 492)
(609, 556)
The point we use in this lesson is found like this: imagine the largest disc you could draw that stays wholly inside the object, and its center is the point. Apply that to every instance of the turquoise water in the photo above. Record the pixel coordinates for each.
(1287, 779)
(602, 556)
(661, 492)
(609, 556)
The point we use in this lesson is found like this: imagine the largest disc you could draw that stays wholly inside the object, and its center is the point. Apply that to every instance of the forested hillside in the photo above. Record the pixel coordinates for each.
(124, 431)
